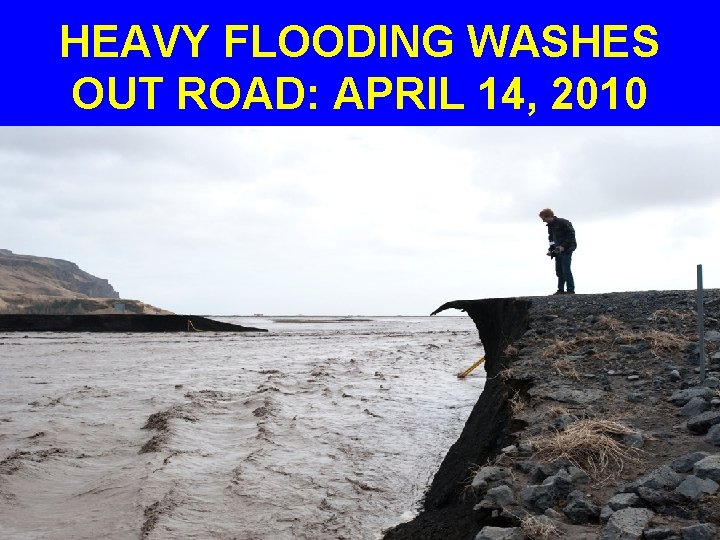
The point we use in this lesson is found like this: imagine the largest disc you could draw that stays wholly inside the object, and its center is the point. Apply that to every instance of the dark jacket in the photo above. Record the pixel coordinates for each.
(562, 233)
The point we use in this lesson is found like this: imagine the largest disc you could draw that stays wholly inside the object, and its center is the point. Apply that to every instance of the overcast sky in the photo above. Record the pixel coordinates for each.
(353, 220)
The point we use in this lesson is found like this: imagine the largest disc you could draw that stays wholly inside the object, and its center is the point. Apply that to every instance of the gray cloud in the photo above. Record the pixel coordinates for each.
(344, 220)
(595, 171)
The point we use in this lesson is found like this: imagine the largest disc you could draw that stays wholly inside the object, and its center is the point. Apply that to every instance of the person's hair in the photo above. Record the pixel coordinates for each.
(546, 213)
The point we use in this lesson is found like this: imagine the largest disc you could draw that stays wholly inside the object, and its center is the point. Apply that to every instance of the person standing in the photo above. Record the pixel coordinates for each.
(561, 235)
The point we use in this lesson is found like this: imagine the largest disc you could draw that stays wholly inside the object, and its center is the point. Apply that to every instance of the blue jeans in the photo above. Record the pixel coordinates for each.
(563, 272)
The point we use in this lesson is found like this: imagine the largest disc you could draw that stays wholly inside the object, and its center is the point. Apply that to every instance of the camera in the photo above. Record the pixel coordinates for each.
(553, 250)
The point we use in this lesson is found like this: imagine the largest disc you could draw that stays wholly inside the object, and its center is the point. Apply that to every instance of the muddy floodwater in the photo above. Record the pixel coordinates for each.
(322, 428)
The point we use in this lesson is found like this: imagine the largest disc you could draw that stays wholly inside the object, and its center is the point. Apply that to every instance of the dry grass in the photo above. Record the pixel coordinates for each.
(517, 404)
(563, 347)
(601, 356)
(565, 368)
(537, 528)
(646, 373)
(671, 314)
(591, 446)
(627, 337)
(508, 373)
(468, 492)
(511, 352)
(556, 410)
(611, 323)
(660, 341)
(560, 347)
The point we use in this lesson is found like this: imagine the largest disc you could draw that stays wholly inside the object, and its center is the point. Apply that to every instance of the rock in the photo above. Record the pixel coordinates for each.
(623, 500)
(498, 497)
(553, 514)
(713, 435)
(712, 382)
(525, 448)
(712, 336)
(685, 463)
(627, 524)
(512, 449)
(578, 476)
(658, 498)
(633, 378)
(564, 420)
(700, 531)
(486, 475)
(659, 533)
(500, 533)
(708, 467)
(634, 440)
(715, 402)
(700, 423)
(681, 397)
(543, 496)
(579, 510)
(661, 478)
(675, 375)
(693, 487)
(537, 472)
(605, 513)
(695, 406)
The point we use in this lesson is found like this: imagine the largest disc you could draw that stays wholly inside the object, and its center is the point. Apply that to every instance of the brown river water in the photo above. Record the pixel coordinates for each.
(323, 428)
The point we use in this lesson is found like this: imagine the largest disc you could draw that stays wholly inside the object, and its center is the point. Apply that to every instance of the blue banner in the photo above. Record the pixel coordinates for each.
(373, 63)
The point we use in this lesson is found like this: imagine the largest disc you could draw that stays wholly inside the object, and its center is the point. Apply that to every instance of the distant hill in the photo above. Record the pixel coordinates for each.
(30, 284)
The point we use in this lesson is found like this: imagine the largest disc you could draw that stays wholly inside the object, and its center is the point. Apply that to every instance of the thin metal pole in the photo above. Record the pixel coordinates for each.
(701, 322)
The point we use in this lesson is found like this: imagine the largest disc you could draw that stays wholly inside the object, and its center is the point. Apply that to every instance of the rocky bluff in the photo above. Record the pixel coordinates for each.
(596, 422)
(30, 284)
(43, 275)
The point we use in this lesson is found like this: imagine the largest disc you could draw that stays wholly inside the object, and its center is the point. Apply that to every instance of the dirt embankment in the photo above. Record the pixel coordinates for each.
(117, 323)
(595, 422)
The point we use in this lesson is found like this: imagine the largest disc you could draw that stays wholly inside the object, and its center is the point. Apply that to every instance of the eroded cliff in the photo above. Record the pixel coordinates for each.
(595, 422)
